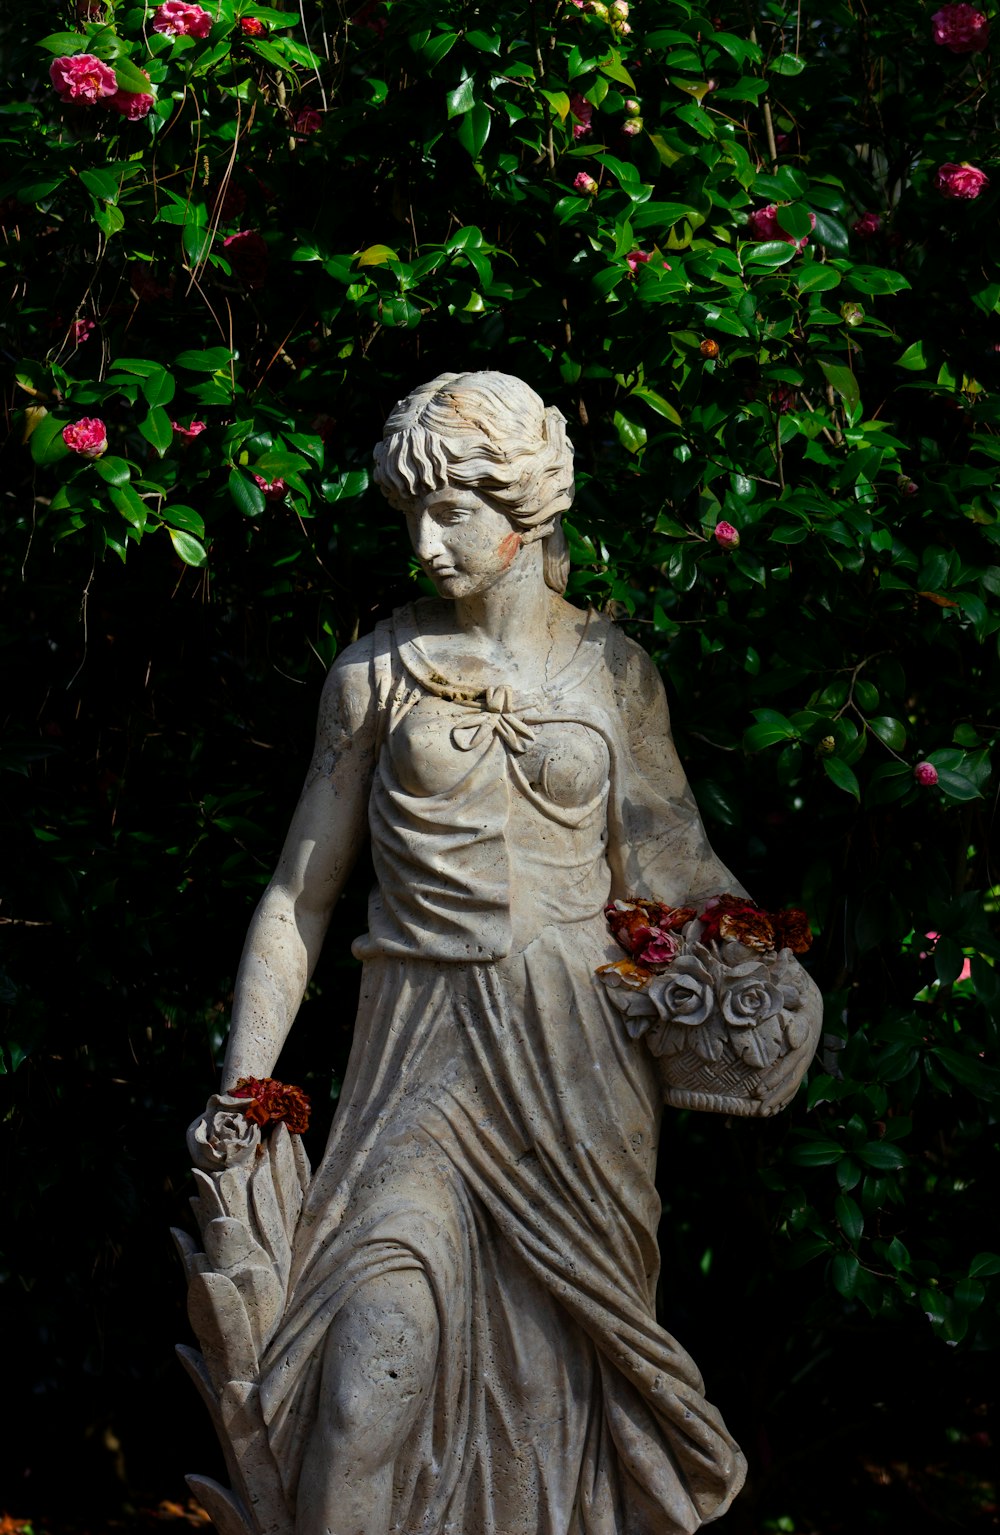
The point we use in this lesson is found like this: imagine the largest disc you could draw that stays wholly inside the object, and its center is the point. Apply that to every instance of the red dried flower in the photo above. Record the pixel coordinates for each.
(274, 1102)
(792, 930)
(645, 929)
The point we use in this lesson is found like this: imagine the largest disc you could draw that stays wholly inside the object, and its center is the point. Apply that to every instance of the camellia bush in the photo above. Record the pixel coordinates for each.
(751, 253)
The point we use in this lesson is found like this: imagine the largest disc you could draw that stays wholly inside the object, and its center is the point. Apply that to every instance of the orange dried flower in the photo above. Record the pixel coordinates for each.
(273, 1102)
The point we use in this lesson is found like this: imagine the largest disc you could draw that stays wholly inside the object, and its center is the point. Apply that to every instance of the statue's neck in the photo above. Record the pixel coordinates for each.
(514, 613)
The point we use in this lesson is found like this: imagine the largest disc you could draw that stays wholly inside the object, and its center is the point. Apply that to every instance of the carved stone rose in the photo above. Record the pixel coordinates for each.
(222, 1137)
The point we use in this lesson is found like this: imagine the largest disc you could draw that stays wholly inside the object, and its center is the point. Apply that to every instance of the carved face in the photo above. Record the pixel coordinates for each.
(462, 541)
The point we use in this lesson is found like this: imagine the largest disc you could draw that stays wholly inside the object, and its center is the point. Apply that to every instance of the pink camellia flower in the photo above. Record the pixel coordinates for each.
(133, 105)
(582, 110)
(252, 26)
(867, 226)
(585, 184)
(175, 18)
(960, 29)
(194, 430)
(88, 436)
(247, 255)
(763, 225)
(308, 120)
(81, 329)
(272, 490)
(782, 398)
(963, 180)
(81, 77)
(726, 536)
(636, 259)
(925, 774)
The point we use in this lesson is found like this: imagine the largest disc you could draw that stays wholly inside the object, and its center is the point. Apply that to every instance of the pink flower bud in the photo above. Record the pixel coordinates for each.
(726, 536)
(272, 490)
(763, 225)
(88, 437)
(632, 107)
(194, 430)
(585, 184)
(618, 10)
(867, 226)
(964, 180)
(960, 29)
(82, 77)
(925, 774)
(309, 120)
(631, 126)
(80, 330)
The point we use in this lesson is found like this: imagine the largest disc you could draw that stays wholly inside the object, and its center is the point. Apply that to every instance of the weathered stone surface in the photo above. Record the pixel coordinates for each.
(449, 1327)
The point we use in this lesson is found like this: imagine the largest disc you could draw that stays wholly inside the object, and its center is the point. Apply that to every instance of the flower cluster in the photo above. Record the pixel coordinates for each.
(646, 929)
(763, 225)
(735, 918)
(80, 77)
(273, 1102)
(960, 29)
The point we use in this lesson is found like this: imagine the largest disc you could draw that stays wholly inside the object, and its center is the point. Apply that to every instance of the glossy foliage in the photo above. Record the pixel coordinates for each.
(319, 212)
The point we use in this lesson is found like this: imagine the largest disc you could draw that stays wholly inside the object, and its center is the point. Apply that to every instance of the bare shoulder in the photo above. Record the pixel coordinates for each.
(638, 684)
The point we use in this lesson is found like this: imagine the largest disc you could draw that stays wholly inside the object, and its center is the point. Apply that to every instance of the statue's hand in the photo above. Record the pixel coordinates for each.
(803, 1026)
(222, 1136)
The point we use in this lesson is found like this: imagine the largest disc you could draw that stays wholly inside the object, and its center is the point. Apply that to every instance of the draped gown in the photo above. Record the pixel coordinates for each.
(497, 1129)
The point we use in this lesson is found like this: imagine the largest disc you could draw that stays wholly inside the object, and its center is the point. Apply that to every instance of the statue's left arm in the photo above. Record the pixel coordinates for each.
(658, 846)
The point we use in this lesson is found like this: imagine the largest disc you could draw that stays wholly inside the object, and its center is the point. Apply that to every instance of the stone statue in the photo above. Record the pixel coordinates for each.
(448, 1328)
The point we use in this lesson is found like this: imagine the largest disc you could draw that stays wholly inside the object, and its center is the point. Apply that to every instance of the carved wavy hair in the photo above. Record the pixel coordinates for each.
(492, 432)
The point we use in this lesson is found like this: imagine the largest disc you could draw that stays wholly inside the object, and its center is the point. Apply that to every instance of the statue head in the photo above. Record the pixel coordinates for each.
(492, 432)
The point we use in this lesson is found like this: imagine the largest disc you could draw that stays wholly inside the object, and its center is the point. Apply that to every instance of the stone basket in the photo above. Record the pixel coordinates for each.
(733, 1030)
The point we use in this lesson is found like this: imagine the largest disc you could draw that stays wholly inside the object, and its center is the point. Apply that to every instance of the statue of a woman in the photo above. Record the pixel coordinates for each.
(464, 1342)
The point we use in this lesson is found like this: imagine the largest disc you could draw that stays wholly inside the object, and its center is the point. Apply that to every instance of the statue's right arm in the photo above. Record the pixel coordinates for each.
(328, 829)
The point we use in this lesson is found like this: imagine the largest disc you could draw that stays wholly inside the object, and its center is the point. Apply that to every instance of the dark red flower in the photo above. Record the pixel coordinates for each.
(273, 1102)
(246, 253)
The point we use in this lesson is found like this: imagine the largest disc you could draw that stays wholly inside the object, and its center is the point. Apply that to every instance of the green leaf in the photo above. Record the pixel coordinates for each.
(158, 387)
(844, 1271)
(839, 773)
(184, 517)
(984, 1265)
(101, 183)
(891, 733)
(849, 1218)
(830, 232)
(376, 255)
(157, 429)
(631, 434)
(114, 470)
(794, 220)
(211, 360)
(770, 253)
(486, 42)
(46, 441)
(818, 1151)
(656, 402)
(844, 382)
(613, 67)
(131, 506)
(247, 496)
(462, 99)
(191, 551)
(475, 129)
(874, 279)
(913, 358)
(787, 64)
(130, 77)
(817, 277)
(881, 1156)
